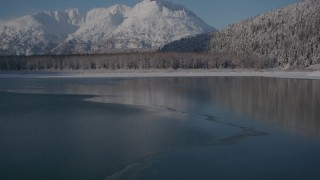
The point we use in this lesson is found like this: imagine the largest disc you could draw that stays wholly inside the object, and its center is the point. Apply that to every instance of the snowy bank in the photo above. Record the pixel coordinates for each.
(165, 73)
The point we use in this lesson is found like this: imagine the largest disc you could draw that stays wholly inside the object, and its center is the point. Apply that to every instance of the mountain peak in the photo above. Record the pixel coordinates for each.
(163, 3)
(119, 8)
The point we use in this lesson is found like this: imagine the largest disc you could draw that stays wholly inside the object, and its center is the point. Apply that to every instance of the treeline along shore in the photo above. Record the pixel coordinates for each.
(133, 61)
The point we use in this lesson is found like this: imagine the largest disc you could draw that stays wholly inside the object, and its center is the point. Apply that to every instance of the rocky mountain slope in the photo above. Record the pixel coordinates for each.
(147, 26)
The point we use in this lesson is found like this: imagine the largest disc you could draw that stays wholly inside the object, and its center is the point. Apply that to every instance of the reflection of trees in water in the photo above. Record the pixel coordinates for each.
(290, 103)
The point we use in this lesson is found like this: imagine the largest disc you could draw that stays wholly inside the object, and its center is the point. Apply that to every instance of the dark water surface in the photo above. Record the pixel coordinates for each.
(159, 128)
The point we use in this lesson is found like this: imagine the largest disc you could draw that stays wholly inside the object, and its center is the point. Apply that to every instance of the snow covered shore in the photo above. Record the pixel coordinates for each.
(165, 73)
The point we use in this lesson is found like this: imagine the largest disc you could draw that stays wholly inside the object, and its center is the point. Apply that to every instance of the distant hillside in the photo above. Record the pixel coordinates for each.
(288, 37)
(198, 43)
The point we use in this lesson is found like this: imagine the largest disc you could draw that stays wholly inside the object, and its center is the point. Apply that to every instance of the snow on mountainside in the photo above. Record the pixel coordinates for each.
(99, 24)
(155, 23)
(148, 25)
(39, 33)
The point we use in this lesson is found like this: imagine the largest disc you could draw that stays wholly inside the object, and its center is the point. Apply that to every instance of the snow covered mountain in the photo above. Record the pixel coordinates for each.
(147, 26)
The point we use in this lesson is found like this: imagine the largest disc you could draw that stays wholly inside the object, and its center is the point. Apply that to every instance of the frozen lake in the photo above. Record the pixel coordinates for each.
(159, 128)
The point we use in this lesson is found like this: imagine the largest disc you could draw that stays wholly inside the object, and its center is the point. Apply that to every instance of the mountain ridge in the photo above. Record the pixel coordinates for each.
(146, 26)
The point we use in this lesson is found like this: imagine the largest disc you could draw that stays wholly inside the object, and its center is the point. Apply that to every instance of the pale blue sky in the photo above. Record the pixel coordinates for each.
(218, 13)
